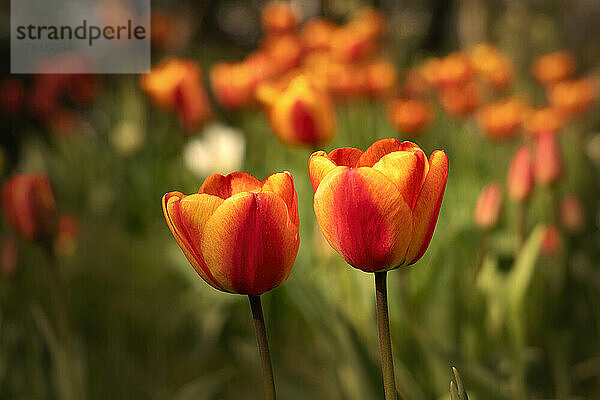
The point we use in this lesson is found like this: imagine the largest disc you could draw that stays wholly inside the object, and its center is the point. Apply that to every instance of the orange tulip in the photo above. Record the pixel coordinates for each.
(572, 216)
(301, 113)
(346, 81)
(176, 85)
(572, 97)
(278, 17)
(452, 70)
(460, 101)
(350, 44)
(543, 120)
(378, 208)
(380, 78)
(29, 206)
(501, 120)
(285, 51)
(316, 34)
(232, 84)
(548, 161)
(553, 67)
(370, 22)
(491, 64)
(488, 206)
(239, 234)
(409, 117)
(519, 181)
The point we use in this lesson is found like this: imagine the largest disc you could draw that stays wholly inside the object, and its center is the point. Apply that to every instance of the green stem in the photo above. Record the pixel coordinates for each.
(263, 347)
(521, 224)
(385, 343)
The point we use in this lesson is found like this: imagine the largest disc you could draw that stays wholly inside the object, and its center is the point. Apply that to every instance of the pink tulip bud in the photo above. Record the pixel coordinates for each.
(551, 240)
(520, 175)
(548, 161)
(488, 206)
(572, 216)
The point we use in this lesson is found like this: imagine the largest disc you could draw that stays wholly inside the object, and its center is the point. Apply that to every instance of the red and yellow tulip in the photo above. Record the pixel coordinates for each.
(300, 113)
(176, 85)
(378, 208)
(239, 234)
(29, 206)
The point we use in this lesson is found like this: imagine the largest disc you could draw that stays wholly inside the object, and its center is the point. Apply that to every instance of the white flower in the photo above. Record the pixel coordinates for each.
(220, 149)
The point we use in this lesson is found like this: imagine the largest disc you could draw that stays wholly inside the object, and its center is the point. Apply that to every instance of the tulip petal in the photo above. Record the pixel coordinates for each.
(320, 163)
(250, 244)
(364, 217)
(282, 184)
(382, 147)
(186, 217)
(406, 170)
(427, 208)
(229, 185)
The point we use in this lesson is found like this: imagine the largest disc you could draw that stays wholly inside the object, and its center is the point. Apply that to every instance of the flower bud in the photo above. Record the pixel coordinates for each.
(519, 181)
(488, 207)
(548, 161)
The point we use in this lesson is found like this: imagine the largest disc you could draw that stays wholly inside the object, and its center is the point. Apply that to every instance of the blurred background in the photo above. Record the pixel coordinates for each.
(97, 300)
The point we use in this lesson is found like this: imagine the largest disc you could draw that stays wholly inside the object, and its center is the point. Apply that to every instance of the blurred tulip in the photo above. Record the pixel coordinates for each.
(29, 206)
(543, 120)
(451, 71)
(12, 96)
(278, 17)
(82, 89)
(176, 85)
(415, 83)
(409, 117)
(572, 97)
(488, 207)
(284, 51)
(553, 67)
(378, 208)
(232, 84)
(370, 22)
(572, 216)
(460, 101)
(220, 149)
(9, 257)
(491, 64)
(65, 243)
(519, 181)
(162, 28)
(302, 113)
(239, 234)
(350, 44)
(551, 241)
(380, 78)
(501, 120)
(548, 160)
(346, 81)
(316, 34)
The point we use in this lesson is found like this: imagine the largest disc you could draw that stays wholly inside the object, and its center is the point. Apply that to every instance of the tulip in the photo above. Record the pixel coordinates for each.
(378, 209)
(409, 117)
(316, 34)
(285, 51)
(501, 120)
(415, 84)
(278, 17)
(553, 67)
(163, 26)
(460, 101)
(351, 44)
(241, 236)
(572, 215)
(301, 113)
(543, 120)
(572, 97)
(453, 70)
(370, 22)
(29, 206)
(551, 240)
(519, 181)
(12, 96)
(176, 85)
(488, 207)
(548, 161)
(491, 64)
(232, 84)
(380, 78)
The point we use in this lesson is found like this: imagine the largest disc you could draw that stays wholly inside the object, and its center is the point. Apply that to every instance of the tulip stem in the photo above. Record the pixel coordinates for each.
(385, 343)
(263, 347)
